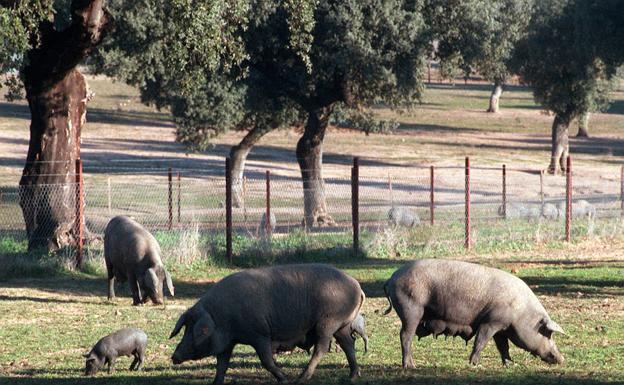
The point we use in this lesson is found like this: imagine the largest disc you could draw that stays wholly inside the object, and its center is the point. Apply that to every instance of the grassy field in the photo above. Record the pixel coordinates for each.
(48, 322)
(50, 315)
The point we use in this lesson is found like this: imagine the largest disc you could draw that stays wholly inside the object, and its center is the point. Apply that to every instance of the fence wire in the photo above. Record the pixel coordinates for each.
(398, 205)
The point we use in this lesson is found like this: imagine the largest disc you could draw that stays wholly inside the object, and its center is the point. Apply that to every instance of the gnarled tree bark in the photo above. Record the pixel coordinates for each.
(560, 143)
(310, 159)
(495, 97)
(57, 98)
(583, 129)
(238, 155)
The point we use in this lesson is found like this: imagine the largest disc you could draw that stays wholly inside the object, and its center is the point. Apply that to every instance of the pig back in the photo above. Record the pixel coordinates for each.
(127, 242)
(283, 302)
(465, 293)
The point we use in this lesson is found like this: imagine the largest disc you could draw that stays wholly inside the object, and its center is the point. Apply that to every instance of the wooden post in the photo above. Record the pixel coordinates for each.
(622, 191)
(355, 204)
(568, 213)
(467, 237)
(504, 192)
(431, 195)
(429, 72)
(267, 222)
(179, 197)
(542, 187)
(228, 209)
(109, 197)
(170, 199)
(79, 230)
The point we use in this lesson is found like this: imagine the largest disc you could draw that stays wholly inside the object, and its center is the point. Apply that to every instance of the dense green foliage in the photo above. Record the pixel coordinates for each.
(477, 35)
(566, 77)
(284, 58)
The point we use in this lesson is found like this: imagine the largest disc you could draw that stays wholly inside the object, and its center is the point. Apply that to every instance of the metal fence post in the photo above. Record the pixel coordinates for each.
(622, 191)
(79, 230)
(355, 204)
(431, 195)
(228, 209)
(542, 187)
(179, 197)
(504, 192)
(170, 199)
(568, 213)
(267, 222)
(467, 237)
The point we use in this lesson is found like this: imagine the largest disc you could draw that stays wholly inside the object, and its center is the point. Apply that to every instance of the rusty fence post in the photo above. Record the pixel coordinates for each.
(431, 195)
(622, 191)
(504, 204)
(355, 204)
(179, 197)
(568, 213)
(228, 209)
(542, 187)
(267, 221)
(170, 198)
(79, 230)
(467, 237)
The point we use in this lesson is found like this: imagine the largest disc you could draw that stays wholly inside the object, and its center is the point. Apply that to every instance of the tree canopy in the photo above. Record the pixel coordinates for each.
(477, 35)
(294, 62)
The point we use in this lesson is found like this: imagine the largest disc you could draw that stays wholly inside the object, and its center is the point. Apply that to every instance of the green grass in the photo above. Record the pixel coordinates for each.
(47, 323)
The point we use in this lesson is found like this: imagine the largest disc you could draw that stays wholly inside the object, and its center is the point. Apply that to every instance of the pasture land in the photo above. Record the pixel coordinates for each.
(50, 315)
(48, 322)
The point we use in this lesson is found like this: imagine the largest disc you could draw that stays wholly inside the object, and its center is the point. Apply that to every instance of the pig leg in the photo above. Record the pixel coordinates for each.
(410, 318)
(347, 343)
(111, 280)
(265, 352)
(502, 344)
(111, 365)
(484, 333)
(134, 287)
(321, 346)
(134, 363)
(223, 362)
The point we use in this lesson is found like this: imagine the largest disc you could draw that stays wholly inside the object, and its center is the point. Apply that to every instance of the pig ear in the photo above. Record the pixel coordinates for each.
(169, 283)
(150, 279)
(86, 355)
(178, 326)
(548, 327)
(203, 329)
(554, 327)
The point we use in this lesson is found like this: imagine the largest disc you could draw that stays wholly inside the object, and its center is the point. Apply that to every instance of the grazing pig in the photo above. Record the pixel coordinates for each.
(124, 342)
(580, 208)
(551, 212)
(403, 216)
(133, 254)
(272, 309)
(468, 300)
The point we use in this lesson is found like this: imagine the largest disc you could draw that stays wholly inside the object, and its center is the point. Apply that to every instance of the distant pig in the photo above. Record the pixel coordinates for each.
(124, 342)
(132, 254)
(262, 228)
(463, 299)
(403, 216)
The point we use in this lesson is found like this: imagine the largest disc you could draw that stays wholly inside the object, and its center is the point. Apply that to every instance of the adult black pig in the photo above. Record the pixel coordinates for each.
(465, 299)
(272, 309)
(132, 254)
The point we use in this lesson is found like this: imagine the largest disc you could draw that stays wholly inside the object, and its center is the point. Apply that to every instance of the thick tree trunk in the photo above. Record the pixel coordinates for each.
(560, 144)
(494, 98)
(238, 155)
(583, 121)
(57, 97)
(310, 159)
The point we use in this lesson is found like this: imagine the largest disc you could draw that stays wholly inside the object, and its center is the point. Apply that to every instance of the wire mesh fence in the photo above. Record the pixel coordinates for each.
(426, 207)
